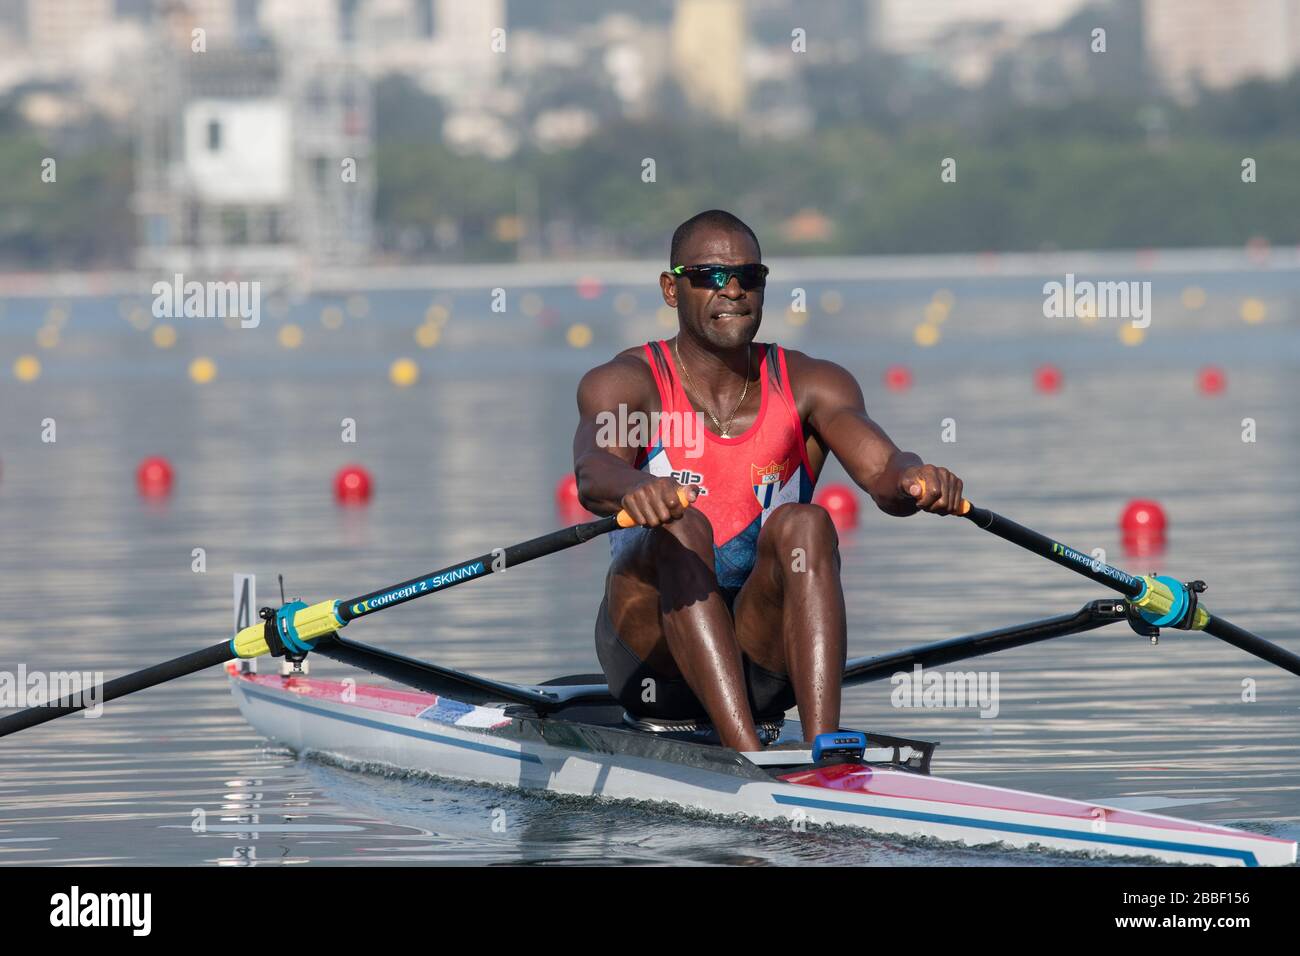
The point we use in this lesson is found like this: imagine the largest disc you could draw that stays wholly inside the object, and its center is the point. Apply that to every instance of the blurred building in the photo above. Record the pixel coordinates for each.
(445, 47)
(251, 159)
(59, 27)
(1219, 43)
(962, 38)
(708, 55)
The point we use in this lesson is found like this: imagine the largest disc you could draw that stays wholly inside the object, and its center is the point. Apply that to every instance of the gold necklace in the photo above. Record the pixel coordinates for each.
(723, 430)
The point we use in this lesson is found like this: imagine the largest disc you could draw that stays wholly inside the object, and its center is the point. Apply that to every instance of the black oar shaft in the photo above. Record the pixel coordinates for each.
(1095, 614)
(475, 568)
(1253, 644)
(1124, 583)
(1063, 555)
(118, 687)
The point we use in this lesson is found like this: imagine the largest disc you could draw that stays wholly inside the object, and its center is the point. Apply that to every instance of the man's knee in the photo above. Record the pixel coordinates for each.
(691, 532)
(801, 525)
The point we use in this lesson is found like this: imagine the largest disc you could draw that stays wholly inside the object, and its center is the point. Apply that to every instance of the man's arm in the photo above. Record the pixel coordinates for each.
(603, 462)
(898, 481)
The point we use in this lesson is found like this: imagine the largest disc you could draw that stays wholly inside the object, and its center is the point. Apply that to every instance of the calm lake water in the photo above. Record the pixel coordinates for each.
(94, 578)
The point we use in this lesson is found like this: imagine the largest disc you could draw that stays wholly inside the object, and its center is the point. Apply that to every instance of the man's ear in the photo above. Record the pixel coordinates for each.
(668, 286)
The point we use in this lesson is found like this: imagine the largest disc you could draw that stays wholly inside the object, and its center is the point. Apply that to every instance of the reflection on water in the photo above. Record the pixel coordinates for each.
(466, 460)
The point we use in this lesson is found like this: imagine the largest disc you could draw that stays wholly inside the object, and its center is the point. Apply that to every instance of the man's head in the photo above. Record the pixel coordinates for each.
(720, 307)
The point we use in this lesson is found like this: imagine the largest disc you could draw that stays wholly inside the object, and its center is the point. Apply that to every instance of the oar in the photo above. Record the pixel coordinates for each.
(1162, 601)
(296, 626)
(1094, 614)
(458, 685)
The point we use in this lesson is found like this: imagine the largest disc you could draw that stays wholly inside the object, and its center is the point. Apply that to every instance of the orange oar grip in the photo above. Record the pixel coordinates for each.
(625, 520)
(965, 505)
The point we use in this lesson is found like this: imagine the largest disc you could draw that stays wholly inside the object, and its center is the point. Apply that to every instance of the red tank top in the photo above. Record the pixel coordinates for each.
(743, 479)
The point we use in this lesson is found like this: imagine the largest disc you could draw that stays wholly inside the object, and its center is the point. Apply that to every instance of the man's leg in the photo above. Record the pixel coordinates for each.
(790, 613)
(665, 605)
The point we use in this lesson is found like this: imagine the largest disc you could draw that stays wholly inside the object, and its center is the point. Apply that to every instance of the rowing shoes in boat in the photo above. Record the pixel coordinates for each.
(569, 736)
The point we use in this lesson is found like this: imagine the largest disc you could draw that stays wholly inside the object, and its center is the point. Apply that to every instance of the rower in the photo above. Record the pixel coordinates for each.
(730, 610)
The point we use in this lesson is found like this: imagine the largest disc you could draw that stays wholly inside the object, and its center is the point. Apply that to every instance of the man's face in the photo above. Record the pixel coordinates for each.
(725, 318)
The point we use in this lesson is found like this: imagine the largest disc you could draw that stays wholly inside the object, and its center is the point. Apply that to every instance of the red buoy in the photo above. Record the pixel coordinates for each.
(589, 287)
(352, 485)
(567, 506)
(1143, 517)
(898, 378)
(1047, 378)
(153, 477)
(566, 491)
(841, 502)
(1211, 381)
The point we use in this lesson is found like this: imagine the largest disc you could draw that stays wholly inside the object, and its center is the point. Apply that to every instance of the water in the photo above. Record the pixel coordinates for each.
(93, 578)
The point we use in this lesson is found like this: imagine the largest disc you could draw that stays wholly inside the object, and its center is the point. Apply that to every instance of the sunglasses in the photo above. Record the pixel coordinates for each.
(751, 276)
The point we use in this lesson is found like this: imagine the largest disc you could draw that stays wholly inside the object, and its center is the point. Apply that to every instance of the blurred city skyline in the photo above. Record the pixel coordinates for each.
(234, 135)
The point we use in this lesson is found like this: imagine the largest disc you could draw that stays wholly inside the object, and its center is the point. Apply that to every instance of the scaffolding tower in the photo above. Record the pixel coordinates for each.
(252, 159)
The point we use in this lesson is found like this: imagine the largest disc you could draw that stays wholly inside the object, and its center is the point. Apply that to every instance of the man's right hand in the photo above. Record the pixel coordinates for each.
(657, 501)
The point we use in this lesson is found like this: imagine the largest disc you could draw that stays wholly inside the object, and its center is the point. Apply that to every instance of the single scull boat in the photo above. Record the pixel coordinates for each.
(583, 744)
(569, 736)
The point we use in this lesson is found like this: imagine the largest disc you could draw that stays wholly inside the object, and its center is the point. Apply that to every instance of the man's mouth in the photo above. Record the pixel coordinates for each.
(730, 315)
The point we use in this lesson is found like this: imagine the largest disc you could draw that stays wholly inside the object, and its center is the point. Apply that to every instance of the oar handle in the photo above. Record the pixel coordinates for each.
(966, 506)
(625, 520)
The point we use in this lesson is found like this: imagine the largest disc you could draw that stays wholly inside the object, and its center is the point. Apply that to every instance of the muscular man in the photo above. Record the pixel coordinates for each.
(730, 609)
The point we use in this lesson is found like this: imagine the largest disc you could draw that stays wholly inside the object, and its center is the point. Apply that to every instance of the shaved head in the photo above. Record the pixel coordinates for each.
(709, 219)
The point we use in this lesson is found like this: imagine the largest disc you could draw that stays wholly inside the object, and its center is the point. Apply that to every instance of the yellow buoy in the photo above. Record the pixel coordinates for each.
(203, 370)
(1130, 334)
(937, 312)
(1253, 310)
(832, 302)
(290, 336)
(437, 314)
(27, 368)
(404, 373)
(926, 335)
(579, 335)
(140, 319)
(1193, 297)
(331, 317)
(427, 335)
(47, 336)
(164, 336)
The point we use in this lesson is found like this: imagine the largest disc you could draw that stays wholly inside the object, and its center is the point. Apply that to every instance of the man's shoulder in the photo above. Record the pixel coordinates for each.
(626, 371)
(806, 369)
(629, 361)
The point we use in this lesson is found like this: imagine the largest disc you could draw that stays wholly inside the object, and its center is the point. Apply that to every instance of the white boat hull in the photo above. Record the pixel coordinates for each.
(413, 731)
